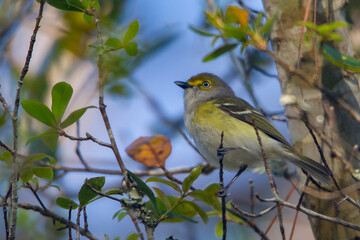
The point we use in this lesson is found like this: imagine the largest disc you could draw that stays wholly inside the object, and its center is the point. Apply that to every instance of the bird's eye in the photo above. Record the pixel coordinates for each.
(206, 84)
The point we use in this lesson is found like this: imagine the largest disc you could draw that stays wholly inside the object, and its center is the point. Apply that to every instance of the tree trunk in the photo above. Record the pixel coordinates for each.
(336, 124)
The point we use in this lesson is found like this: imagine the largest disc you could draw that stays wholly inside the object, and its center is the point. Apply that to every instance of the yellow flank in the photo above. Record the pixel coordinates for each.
(210, 116)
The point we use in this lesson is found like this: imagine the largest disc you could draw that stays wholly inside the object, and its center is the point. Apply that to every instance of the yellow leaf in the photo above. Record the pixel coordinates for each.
(150, 151)
(236, 15)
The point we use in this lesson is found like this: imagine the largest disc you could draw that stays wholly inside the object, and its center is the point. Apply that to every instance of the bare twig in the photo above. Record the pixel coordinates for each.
(252, 205)
(5, 105)
(14, 170)
(271, 179)
(78, 223)
(312, 213)
(250, 224)
(87, 138)
(86, 225)
(302, 31)
(136, 224)
(252, 215)
(36, 196)
(6, 147)
(56, 217)
(102, 106)
(222, 191)
(69, 221)
(257, 68)
(77, 149)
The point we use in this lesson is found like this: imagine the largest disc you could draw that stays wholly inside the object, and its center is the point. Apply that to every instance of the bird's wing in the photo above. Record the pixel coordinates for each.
(243, 111)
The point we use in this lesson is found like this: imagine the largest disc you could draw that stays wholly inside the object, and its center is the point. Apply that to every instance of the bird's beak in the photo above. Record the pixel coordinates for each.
(183, 85)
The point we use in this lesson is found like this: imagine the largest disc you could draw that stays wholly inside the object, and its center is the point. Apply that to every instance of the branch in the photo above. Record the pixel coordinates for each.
(56, 217)
(102, 106)
(271, 179)
(312, 213)
(14, 170)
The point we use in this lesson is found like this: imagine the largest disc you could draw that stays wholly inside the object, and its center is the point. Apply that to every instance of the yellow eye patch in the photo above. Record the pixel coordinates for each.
(203, 84)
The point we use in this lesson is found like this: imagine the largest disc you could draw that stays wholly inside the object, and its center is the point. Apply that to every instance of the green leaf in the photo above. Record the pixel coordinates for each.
(131, 32)
(201, 32)
(340, 60)
(86, 193)
(67, 5)
(164, 181)
(174, 215)
(188, 181)
(131, 49)
(235, 32)
(208, 196)
(120, 215)
(6, 157)
(40, 112)
(219, 51)
(162, 196)
(61, 94)
(39, 156)
(266, 29)
(88, 18)
(64, 202)
(106, 237)
(49, 138)
(132, 236)
(26, 172)
(219, 229)
(144, 188)
(114, 43)
(44, 172)
(74, 116)
(199, 210)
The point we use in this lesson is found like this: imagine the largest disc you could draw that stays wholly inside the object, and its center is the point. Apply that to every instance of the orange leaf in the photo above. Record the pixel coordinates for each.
(150, 151)
(236, 15)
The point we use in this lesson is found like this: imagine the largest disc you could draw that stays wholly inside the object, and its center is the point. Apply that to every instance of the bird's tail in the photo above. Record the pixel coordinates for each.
(312, 167)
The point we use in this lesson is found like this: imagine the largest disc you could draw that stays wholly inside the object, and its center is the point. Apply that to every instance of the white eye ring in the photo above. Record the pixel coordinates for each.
(206, 84)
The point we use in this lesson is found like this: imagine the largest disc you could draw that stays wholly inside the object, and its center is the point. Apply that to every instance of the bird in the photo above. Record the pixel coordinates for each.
(212, 109)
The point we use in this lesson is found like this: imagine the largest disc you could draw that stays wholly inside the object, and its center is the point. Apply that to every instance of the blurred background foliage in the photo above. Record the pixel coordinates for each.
(66, 51)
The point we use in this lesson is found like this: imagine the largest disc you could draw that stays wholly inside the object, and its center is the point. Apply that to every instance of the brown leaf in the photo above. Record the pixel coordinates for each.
(236, 15)
(150, 151)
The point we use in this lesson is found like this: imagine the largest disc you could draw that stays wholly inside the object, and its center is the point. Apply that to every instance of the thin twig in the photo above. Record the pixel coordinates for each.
(312, 213)
(69, 221)
(308, 5)
(6, 147)
(259, 69)
(252, 215)
(5, 105)
(86, 225)
(87, 138)
(136, 224)
(36, 196)
(252, 202)
(276, 216)
(77, 148)
(56, 217)
(250, 224)
(322, 156)
(222, 191)
(271, 179)
(14, 170)
(78, 223)
(118, 172)
(102, 106)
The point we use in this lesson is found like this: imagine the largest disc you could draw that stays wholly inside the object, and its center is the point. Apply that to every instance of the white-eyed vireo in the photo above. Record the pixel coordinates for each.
(212, 108)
